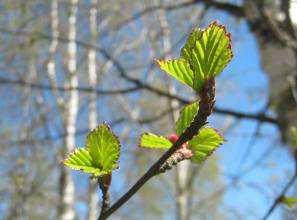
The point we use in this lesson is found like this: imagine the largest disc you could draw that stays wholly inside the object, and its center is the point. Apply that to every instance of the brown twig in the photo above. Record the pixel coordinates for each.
(104, 184)
(207, 95)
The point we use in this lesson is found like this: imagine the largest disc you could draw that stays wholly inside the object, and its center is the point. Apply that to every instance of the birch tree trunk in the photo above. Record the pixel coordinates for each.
(181, 171)
(93, 198)
(71, 107)
(51, 65)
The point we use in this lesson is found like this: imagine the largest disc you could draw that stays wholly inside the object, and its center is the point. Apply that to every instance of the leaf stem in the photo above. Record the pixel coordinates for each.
(206, 103)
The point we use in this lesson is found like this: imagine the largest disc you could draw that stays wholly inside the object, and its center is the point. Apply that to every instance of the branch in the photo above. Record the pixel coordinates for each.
(138, 83)
(57, 137)
(262, 117)
(104, 184)
(281, 35)
(67, 89)
(206, 103)
(233, 9)
(283, 192)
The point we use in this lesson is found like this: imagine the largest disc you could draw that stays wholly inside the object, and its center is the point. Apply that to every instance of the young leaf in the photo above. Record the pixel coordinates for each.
(101, 154)
(186, 116)
(80, 159)
(290, 202)
(203, 144)
(179, 69)
(208, 52)
(205, 55)
(151, 140)
(104, 148)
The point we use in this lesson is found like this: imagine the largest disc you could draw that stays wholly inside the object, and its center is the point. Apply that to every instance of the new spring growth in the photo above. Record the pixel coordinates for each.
(184, 149)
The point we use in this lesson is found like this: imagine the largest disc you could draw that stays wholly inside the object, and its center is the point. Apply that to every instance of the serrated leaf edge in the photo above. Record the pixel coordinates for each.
(116, 137)
(116, 166)
(213, 150)
(148, 133)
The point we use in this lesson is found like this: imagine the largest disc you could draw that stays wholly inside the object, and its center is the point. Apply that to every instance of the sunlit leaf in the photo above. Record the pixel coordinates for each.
(100, 155)
(204, 144)
(80, 159)
(208, 52)
(186, 116)
(104, 148)
(290, 202)
(150, 140)
(179, 69)
(205, 54)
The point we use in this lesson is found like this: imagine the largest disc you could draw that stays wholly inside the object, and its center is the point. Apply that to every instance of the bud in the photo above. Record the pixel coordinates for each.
(173, 138)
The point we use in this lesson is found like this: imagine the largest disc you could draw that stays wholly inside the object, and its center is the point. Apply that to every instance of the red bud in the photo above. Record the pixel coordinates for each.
(173, 138)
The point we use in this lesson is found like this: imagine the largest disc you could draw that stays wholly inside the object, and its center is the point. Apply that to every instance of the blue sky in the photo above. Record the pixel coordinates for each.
(243, 86)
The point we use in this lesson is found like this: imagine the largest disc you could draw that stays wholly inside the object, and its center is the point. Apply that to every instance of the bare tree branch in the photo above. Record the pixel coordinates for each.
(233, 9)
(68, 89)
(282, 193)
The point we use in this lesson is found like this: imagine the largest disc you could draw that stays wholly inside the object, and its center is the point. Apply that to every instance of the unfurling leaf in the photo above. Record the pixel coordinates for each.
(101, 154)
(179, 69)
(150, 140)
(201, 146)
(186, 116)
(104, 147)
(80, 159)
(204, 144)
(205, 55)
(290, 202)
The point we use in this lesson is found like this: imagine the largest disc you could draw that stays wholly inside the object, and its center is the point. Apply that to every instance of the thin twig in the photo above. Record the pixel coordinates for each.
(206, 103)
(282, 194)
(139, 84)
(104, 184)
(23, 83)
(233, 9)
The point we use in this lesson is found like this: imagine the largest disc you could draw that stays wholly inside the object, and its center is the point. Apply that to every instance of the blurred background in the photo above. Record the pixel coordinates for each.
(68, 65)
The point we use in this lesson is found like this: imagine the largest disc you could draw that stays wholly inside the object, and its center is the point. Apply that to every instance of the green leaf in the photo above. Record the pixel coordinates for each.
(104, 148)
(194, 36)
(186, 116)
(151, 140)
(80, 159)
(179, 69)
(203, 144)
(290, 202)
(208, 52)
(101, 154)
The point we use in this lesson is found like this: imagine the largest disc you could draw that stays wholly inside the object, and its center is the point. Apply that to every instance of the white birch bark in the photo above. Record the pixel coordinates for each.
(51, 65)
(71, 108)
(93, 199)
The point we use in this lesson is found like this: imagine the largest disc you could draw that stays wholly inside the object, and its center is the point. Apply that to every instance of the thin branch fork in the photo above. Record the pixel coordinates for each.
(206, 104)
(235, 10)
(138, 83)
(283, 192)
